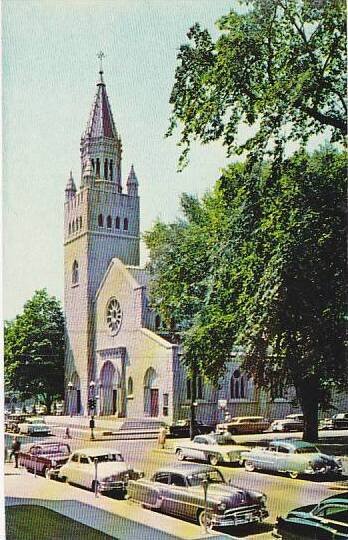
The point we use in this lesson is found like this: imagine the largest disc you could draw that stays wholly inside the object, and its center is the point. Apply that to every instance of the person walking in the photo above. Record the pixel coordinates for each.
(16, 447)
(162, 437)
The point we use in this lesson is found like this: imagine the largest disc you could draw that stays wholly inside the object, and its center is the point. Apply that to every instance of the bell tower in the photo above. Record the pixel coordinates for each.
(101, 222)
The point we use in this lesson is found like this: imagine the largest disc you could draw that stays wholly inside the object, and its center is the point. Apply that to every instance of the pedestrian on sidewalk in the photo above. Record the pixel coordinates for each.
(162, 437)
(67, 433)
(16, 447)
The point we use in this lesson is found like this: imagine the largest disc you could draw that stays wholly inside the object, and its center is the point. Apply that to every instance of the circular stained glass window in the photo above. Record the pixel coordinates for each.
(114, 316)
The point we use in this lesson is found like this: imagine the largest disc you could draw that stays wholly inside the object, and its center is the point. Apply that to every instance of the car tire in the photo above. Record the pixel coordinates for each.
(213, 459)
(293, 474)
(249, 466)
(201, 520)
(180, 456)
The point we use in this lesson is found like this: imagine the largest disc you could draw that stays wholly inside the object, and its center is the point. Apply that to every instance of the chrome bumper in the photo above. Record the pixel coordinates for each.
(230, 519)
(115, 484)
(324, 470)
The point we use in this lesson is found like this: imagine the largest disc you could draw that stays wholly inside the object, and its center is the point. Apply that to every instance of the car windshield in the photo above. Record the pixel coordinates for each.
(107, 457)
(224, 439)
(306, 450)
(213, 477)
(36, 421)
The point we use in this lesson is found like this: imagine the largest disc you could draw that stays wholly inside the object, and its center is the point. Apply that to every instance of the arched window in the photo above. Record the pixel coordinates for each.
(100, 220)
(97, 167)
(106, 169)
(237, 385)
(69, 228)
(92, 160)
(117, 222)
(111, 170)
(130, 386)
(109, 222)
(80, 222)
(73, 226)
(75, 273)
(157, 322)
(125, 224)
(77, 224)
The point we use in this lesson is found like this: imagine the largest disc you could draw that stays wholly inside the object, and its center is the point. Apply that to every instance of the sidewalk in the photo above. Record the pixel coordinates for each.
(120, 519)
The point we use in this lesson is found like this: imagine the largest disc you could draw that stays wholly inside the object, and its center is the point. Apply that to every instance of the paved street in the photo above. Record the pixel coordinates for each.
(283, 493)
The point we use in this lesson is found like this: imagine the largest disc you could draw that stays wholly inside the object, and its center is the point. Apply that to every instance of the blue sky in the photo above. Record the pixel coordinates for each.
(49, 73)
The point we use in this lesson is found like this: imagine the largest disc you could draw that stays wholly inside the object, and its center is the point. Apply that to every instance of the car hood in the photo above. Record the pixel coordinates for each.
(233, 497)
(323, 458)
(113, 468)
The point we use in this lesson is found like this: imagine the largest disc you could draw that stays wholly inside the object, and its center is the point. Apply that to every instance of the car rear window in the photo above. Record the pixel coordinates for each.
(306, 450)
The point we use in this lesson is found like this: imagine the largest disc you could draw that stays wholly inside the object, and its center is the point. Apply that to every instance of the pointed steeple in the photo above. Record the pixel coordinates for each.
(101, 122)
(132, 182)
(70, 190)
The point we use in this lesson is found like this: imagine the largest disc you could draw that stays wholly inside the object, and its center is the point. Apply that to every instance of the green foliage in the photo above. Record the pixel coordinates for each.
(279, 69)
(34, 349)
(260, 263)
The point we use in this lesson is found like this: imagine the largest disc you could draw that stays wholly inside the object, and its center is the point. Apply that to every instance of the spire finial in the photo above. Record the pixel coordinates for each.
(101, 55)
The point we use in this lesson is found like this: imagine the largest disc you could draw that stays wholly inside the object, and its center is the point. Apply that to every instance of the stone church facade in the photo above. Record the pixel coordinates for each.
(114, 349)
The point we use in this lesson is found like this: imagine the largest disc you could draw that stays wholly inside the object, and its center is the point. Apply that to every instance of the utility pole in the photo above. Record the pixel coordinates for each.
(193, 403)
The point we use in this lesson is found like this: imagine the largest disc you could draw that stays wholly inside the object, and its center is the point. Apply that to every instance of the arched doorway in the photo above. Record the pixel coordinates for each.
(151, 407)
(109, 378)
(74, 394)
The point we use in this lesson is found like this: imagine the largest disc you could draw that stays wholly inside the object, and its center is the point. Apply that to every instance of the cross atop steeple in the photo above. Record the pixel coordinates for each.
(101, 55)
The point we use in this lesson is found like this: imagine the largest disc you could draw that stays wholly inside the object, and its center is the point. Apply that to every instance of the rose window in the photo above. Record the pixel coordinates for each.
(114, 316)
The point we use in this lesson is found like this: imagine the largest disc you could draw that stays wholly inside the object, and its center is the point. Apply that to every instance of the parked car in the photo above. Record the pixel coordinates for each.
(293, 457)
(326, 423)
(41, 409)
(327, 520)
(292, 422)
(34, 426)
(60, 409)
(12, 421)
(112, 471)
(44, 457)
(181, 428)
(340, 421)
(244, 424)
(178, 491)
(214, 448)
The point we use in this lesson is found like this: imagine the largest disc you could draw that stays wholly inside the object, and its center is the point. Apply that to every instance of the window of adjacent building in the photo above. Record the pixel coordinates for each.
(130, 387)
(80, 222)
(97, 167)
(109, 222)
(117, 223)
(125, 224)
(92, 164)
(113, 316)
(237, 385)
(106, 169)
(165, 404)
(111, 170)
(75, 273)
(73, 226)
(69, 228)
(100, 220)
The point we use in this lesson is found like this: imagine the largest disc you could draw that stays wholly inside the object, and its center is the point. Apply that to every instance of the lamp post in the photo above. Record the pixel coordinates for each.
(70, 389)
(91, 403)
(205, 489)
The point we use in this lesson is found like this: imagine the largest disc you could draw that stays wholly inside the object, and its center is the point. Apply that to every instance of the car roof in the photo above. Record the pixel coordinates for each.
(96, 451)
(186, 468)
(246, 417)
(293, 443)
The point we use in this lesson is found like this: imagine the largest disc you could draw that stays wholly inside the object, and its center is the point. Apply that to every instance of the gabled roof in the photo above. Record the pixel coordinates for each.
(141, 275)
(101, 122)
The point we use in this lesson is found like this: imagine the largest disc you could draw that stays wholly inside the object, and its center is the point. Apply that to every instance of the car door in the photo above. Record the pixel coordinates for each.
(85, 471)
(282, 459)
(161, 482)
(175, 500)
(72, 468)
(197, 448)
(266, 459)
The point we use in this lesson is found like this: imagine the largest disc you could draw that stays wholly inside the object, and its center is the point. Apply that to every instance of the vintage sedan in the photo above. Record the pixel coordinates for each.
(44, 458)
(340, 421)
(327, 520)
(105, 464)
(292, 422)
(214, 448)
(179, 491)
(34, 426)
(181, 428)
(13, 419)
(244, 424)
(293, 457)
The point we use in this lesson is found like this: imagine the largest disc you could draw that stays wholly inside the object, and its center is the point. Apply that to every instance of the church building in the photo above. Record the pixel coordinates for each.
(114, 348)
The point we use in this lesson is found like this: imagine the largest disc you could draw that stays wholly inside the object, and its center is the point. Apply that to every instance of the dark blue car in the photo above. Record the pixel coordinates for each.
(327, 520)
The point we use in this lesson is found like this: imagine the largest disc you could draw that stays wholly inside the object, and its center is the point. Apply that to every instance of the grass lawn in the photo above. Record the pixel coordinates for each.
(30, 522)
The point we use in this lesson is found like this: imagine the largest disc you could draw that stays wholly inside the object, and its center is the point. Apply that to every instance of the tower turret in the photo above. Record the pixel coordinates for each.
(70, 190)
(132, 183)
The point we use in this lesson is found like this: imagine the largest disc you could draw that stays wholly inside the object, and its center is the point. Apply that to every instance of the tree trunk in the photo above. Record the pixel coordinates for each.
(308, 399)
(193, 403)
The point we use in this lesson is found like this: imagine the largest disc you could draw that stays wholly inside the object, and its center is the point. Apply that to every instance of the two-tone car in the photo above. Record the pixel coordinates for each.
(292, 422)
(181, 428)
(34, 426)
(213, 448)
(239, 425)
(44, 458)
(294, 457)
(327, 520)
(179, 491)
(103, 469)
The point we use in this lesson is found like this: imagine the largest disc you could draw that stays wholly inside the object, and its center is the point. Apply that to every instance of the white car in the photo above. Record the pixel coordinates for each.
(34, 426)
(292, 422)
(104, 464)
(214, 448)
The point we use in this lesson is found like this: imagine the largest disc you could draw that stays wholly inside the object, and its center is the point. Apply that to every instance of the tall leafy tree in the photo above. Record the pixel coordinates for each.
(271, 263)
(277, 69)
(34, 349)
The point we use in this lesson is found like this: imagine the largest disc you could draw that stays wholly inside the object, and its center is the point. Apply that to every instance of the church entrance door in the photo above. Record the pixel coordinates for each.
(114, 401)
(78, 401)
(154, 402)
